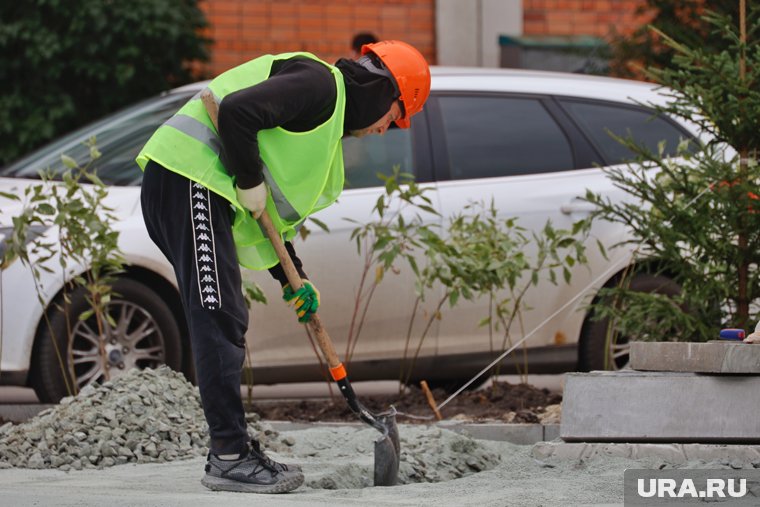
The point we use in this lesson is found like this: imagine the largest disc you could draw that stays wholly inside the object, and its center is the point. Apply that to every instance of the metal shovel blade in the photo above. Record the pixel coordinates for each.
(387, 451)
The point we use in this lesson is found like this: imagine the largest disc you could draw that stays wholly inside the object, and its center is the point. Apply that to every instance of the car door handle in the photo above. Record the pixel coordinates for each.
(577, 206)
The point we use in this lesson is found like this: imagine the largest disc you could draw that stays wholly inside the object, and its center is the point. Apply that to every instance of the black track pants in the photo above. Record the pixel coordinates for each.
(192, 227)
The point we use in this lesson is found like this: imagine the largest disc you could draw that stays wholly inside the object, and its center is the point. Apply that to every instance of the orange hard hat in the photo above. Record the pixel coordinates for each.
(410, 71)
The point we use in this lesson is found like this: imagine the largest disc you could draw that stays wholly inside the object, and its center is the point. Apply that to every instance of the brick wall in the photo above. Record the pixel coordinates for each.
(580, 17)
(244, 29)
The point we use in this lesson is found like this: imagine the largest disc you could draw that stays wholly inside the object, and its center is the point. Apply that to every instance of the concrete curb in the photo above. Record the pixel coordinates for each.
(671, 453)
(21, 412)
(635, 406)
(521, 434)
(719, 356)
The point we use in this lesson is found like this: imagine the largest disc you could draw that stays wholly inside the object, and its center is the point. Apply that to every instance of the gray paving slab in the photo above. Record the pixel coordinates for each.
(634, 406)
(551, 432)
(18, 413)
(520, 434)
(671, 453)
(719, 356)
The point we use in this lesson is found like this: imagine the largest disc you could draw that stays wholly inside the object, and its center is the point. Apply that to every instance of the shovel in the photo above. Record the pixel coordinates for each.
(387, 447)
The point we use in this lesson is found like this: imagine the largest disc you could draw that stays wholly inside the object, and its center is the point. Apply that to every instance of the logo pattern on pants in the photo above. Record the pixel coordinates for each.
(203, 240)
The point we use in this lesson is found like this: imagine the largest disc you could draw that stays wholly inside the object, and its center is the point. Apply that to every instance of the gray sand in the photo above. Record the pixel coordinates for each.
(140, 440)
(341, 458)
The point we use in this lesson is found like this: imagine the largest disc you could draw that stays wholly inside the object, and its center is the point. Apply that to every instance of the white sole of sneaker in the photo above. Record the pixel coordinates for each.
(289, 482)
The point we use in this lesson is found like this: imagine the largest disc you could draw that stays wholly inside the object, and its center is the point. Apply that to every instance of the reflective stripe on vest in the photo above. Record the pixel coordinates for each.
(200, 132)
(195, 129)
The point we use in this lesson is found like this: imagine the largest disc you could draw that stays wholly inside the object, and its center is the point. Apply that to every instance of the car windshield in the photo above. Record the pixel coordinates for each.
(119, 138)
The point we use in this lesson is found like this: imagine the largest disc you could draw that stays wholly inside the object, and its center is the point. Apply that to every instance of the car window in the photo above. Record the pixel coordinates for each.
(365, 157)
(598, 120)
(502, 136)
(119, 138)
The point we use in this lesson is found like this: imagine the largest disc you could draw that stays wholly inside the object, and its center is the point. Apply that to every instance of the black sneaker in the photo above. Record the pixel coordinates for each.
(280, 467)
(250, 473)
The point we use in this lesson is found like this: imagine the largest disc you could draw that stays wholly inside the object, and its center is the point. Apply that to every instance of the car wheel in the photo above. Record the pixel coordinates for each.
(594, 343)
(143, 334)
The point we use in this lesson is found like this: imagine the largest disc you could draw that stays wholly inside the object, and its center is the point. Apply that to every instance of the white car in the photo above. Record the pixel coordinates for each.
(532, 141)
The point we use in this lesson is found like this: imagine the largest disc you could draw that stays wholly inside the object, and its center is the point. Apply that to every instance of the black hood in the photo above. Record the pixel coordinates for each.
(368, 95)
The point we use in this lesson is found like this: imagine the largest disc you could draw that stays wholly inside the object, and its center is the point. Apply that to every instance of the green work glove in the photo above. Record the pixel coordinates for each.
(305, 300)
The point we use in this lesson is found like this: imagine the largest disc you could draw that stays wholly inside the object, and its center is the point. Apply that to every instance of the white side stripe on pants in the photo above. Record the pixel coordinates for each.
(203, 240)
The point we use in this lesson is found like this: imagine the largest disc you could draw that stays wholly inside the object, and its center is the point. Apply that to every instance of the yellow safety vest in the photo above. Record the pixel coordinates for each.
(303, 170)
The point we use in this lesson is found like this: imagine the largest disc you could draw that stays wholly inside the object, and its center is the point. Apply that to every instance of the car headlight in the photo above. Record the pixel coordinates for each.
(34, 232)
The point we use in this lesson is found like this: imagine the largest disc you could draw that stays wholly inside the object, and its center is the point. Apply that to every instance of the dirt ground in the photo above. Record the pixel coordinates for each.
(504, 402)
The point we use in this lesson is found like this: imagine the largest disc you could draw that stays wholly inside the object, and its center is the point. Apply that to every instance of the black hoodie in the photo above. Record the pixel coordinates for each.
(368, 96)
(298, 96)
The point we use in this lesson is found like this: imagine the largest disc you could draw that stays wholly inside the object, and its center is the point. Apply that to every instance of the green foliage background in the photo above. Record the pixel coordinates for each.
(697, 218)
(682, 20)
(64, 63)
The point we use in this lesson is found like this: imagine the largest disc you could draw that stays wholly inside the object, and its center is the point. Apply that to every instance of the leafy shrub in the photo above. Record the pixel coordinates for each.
(697, 217)
(64, 63)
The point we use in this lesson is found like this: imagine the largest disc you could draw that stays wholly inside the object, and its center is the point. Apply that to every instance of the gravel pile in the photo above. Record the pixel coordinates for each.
(154, 416)
(141, 417)
(343, 458)
(437, 455)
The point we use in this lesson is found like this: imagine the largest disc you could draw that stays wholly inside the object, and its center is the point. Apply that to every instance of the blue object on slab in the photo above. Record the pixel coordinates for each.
(732, 334)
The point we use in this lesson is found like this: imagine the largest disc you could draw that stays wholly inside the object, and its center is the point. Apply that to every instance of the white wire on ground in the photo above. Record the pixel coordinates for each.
(542, 324)
(572, 300)
(414, 416)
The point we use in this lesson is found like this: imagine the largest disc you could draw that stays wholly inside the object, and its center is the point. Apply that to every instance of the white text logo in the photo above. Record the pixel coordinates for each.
(670, 488)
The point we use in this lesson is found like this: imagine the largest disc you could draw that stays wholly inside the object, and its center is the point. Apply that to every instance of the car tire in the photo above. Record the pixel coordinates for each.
(134, 306)
(593, 344)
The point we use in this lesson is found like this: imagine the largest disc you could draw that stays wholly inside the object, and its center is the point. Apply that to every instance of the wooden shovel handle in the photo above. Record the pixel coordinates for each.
(294, 279)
